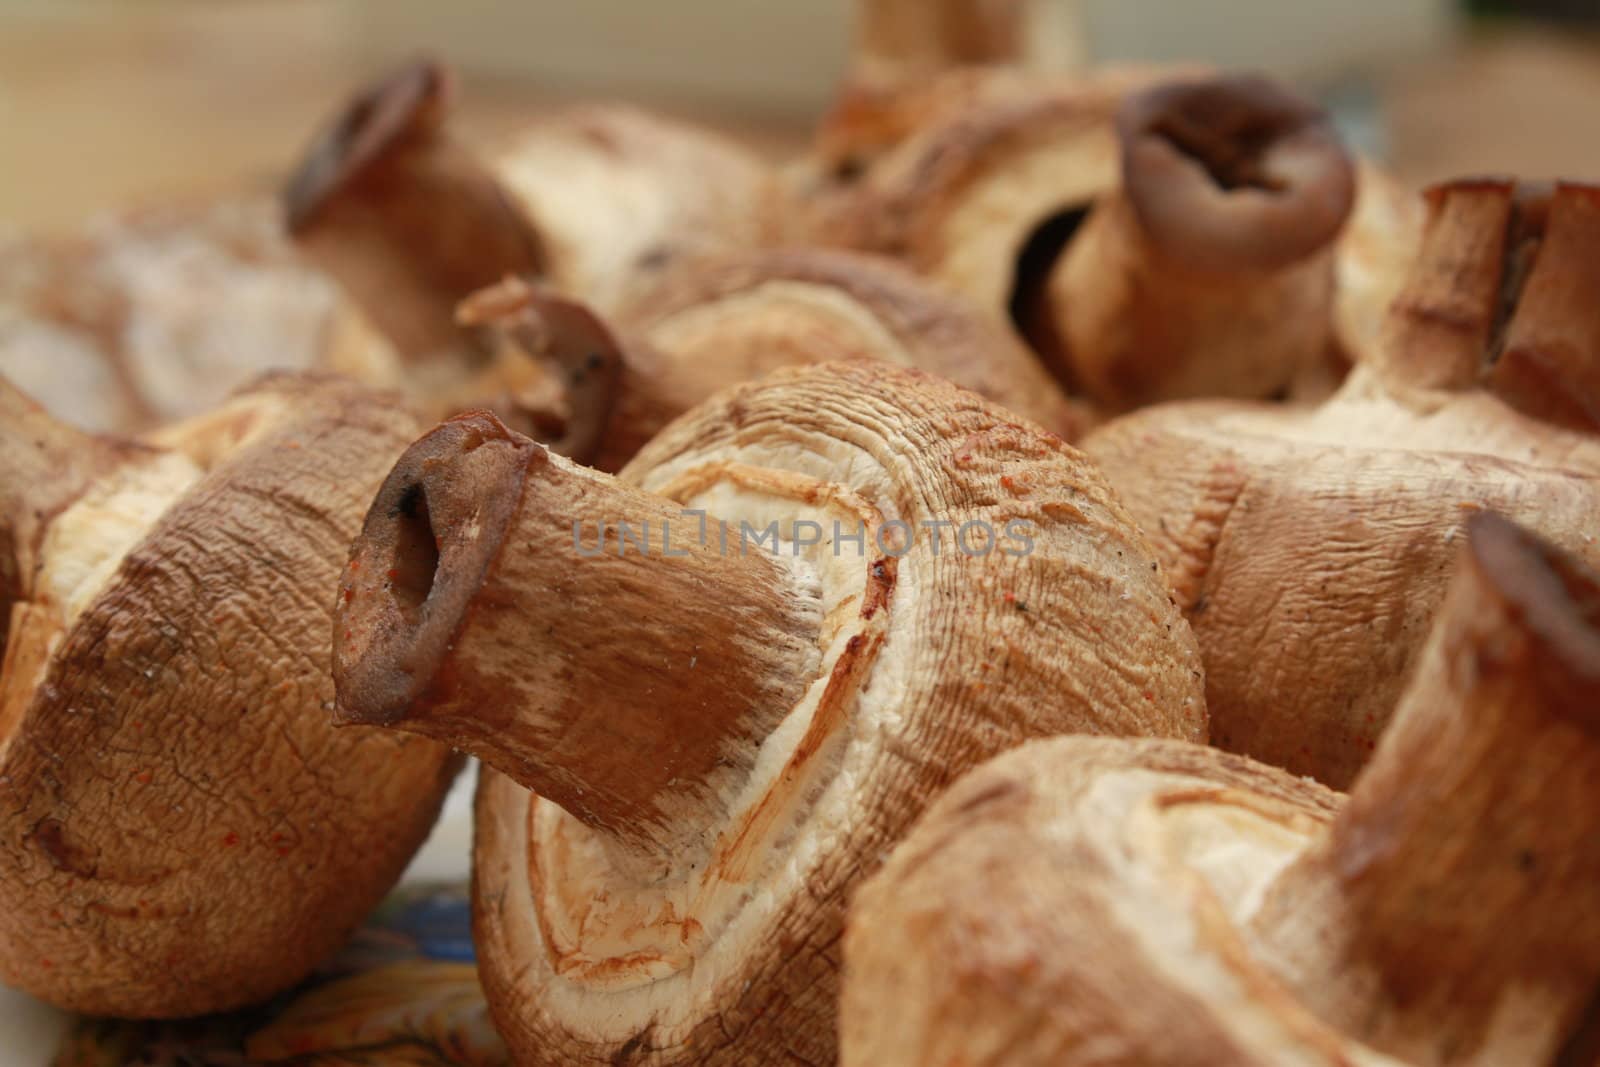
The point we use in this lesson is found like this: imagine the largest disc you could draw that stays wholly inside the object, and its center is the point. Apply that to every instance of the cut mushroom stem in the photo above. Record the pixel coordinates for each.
(1502, 293)
(1463, 864)
(1210, 272)
(556, 365)
(406, 218)
(617, 656)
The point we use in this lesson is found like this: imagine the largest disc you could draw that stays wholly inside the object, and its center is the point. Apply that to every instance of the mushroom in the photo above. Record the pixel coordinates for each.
(1310, 549)
(1150, 240)
(594, 201)
(716, 320)
(180, 830)
(713, 689)
(1100, 901)
(160, 313)
(899, 42)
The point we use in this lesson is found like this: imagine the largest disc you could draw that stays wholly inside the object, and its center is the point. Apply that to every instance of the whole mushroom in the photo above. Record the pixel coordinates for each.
(715, 688)
(1152, 237)
(181, 831)
(1089, 901)
(594, 201)
(717, 320)
(1310, 549)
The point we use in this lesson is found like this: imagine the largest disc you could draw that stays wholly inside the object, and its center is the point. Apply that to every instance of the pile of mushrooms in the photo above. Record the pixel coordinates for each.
(715, 688)
(1310, 548)
(1092, 901)
(833, 707)
(181, 828)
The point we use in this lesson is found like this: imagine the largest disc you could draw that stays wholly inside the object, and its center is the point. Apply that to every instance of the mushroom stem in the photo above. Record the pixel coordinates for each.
(1502, 293)
(407, 219)
(1457, 884)
(903, 40)
(46, 465)
(543, 341)
(586, 638)
(1211, 272)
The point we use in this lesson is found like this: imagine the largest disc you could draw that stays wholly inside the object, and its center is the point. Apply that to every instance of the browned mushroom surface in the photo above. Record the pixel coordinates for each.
(1086, 901)
(180, 830)
(709, 719)
(594, 201)
(1310, 549)
(1152, 235)
(716, 320)
(160, 313)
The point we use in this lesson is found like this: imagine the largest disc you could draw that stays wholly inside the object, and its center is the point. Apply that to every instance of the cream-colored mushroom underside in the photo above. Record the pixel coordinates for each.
(983, 235)
(85, 545)
(613, 957)
(1192, 863)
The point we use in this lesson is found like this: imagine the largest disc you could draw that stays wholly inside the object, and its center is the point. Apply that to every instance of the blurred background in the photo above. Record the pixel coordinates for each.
(108, 103)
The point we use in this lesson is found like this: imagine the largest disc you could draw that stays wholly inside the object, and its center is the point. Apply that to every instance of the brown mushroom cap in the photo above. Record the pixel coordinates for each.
(182, 831)
(1310, 549)
(908, 666)
(1234, 173)
(1174, 904)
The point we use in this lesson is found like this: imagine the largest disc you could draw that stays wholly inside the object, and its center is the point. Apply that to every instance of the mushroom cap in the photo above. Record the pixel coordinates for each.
(1128, 901)
(1310, 549)
(617, 194)
(1077, 896)
(930, 662)
(183, 831)
(1233, 173)
(737, 316)
(160, 313)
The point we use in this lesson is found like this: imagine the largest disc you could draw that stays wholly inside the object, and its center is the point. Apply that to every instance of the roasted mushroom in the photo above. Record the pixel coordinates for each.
(1088, 901)
(1150, 239)
(717, 320)
(181, 831)
(594, 202)
(1311, 548)
(705, 728)
(160, 313)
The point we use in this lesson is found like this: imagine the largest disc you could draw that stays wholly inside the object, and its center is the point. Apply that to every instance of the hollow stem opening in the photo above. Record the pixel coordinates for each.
(416, 552)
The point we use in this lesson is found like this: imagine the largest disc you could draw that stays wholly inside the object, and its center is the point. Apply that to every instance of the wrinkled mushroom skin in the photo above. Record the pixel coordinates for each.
(159, 314)
(1310, 549)
(1151, 238)
(182, 831)
(910, 666)
(1089, 901)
